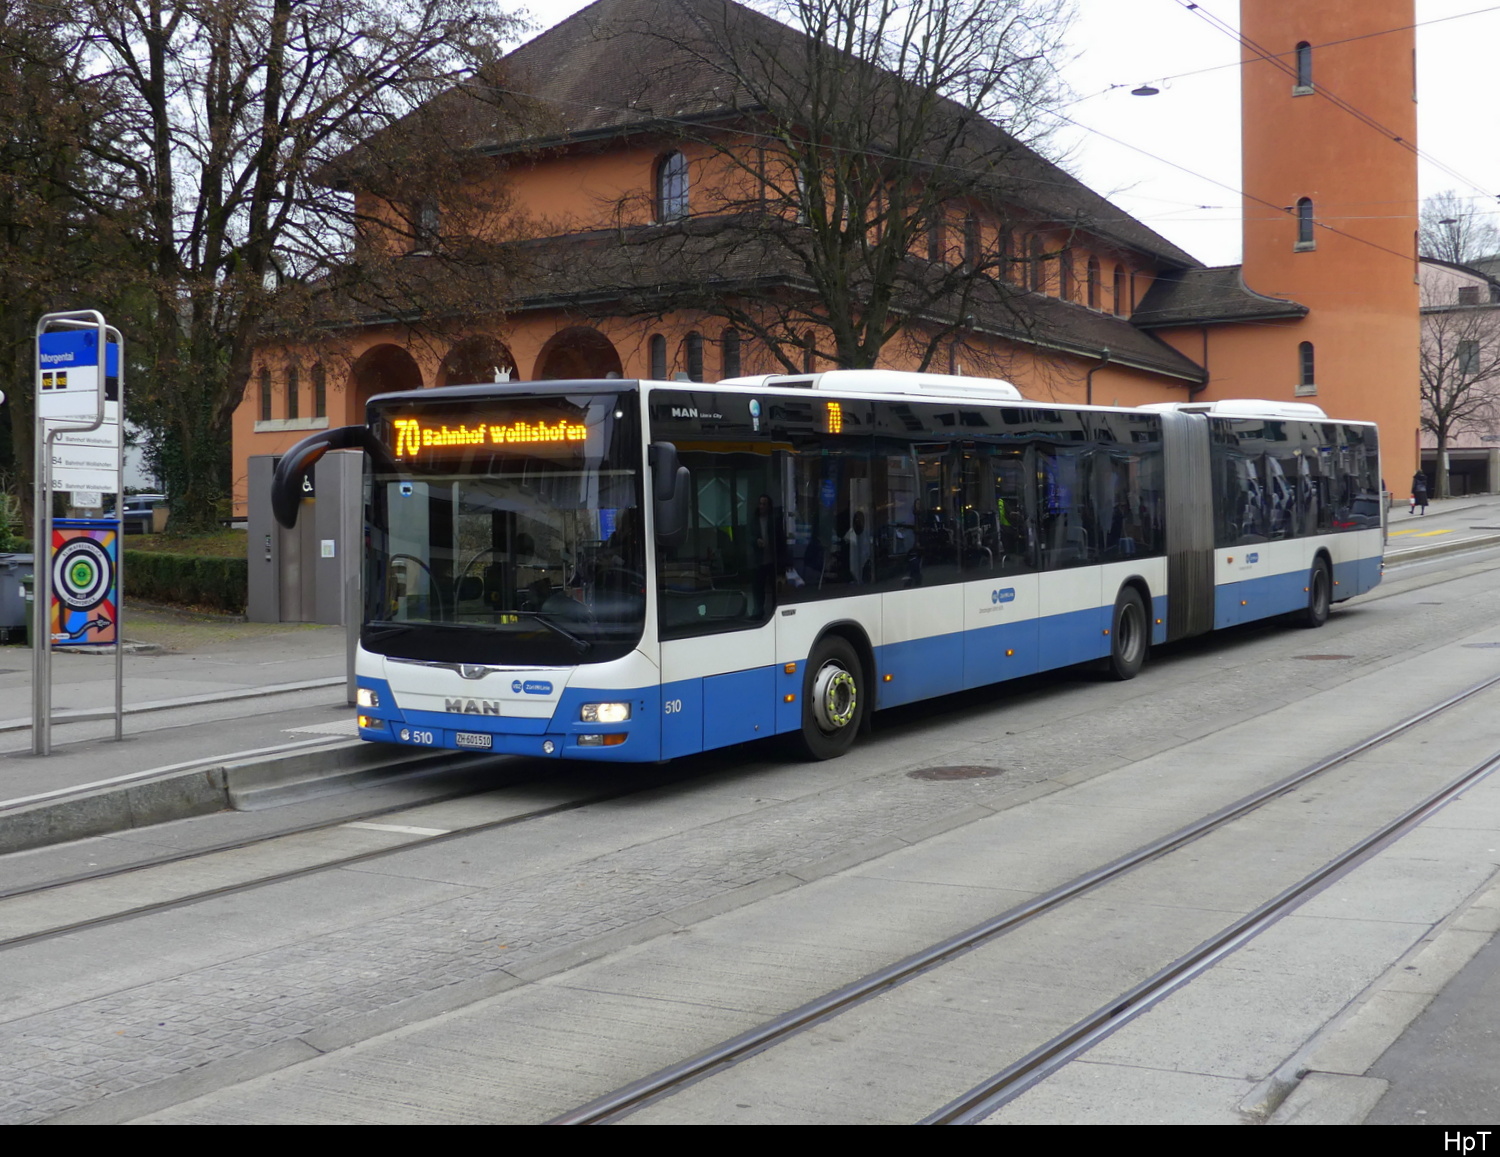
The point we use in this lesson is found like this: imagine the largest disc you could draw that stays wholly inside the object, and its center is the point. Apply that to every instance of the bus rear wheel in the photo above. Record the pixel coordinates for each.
(1128, 636)
(833, 700)
(1319, 597)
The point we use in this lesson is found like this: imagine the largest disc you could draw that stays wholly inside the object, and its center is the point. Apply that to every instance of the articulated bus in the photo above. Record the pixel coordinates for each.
(623, 570)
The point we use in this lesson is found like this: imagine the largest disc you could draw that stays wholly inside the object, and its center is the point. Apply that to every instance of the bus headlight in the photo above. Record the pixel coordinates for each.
(367, 697)
(605, 712)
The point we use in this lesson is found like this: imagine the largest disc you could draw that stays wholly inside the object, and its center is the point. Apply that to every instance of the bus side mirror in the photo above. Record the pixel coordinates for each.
(286, 483)
(671, 487)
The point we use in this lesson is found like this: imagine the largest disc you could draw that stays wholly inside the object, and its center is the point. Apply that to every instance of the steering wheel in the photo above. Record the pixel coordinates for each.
(619, 578)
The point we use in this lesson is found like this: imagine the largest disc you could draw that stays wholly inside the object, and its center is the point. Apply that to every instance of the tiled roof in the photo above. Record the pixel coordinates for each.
(665, 269)
(1208, 297)
(631, 66)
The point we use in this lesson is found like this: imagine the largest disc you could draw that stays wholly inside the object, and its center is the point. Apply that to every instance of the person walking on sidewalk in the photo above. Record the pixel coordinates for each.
(1418, 492)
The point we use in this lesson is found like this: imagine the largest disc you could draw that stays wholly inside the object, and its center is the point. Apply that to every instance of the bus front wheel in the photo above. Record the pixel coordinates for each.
(1129, 636)
(833, 700)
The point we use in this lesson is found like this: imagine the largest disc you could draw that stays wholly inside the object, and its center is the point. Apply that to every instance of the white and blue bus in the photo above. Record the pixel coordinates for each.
(622, 570)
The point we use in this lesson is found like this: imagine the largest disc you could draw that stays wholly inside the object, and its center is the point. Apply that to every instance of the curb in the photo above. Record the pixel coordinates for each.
(244, 782)
(1325, 1081)
(1453, 546)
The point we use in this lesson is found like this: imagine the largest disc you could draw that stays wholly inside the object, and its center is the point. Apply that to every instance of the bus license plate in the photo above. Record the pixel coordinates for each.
(474, 739)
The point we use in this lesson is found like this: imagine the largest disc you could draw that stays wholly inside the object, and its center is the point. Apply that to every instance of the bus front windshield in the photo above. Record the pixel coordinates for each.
(506, 530)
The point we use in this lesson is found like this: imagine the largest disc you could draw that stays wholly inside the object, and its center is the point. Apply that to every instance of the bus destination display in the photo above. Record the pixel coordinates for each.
(416, 439)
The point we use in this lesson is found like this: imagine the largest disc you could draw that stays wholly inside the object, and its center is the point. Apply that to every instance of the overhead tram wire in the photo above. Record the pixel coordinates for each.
(1275, 59)
(1325, 44)
(1279, 209)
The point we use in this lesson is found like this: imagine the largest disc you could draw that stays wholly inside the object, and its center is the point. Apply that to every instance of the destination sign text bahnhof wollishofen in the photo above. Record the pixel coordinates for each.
(414, 437)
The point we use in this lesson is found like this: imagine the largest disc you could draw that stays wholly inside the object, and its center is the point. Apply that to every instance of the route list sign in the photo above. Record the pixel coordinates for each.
(68, 395)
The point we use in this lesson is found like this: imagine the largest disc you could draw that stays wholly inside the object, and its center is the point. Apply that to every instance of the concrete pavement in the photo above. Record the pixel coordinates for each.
(279, 674)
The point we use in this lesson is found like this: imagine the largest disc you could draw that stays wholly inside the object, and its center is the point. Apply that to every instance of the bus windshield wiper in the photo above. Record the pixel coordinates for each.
(584, 645)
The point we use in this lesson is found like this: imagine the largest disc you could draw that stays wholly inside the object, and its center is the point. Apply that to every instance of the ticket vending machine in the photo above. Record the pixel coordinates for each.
(304, 575)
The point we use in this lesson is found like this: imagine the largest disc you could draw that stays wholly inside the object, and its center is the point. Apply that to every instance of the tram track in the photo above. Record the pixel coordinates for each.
(415, 841)
(896, 871)
(987, 1096)
(18, 904)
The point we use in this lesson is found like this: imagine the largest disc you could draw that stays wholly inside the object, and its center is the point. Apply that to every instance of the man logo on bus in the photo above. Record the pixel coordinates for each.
(1252, 557)
(1005, 595)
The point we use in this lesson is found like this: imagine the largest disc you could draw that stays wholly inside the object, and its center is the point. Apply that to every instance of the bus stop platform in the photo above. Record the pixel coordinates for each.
(198, 690)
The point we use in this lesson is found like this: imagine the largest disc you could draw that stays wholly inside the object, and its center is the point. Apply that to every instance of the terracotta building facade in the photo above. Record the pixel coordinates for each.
(1096, 307)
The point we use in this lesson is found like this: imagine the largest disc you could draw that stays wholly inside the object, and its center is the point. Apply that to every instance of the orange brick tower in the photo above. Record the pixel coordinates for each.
(1330, 180)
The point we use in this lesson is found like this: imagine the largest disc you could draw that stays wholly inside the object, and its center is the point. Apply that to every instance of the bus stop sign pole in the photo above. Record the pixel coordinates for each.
(74, 352)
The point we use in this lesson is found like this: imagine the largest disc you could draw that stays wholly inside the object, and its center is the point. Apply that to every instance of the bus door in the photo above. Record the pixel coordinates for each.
(999, 558)
(716, 594)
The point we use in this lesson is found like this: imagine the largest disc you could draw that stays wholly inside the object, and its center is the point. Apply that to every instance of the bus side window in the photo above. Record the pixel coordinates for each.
(1069, 531)
(998, 536)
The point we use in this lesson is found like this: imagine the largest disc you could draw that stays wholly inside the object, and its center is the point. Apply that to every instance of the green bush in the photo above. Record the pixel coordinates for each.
(187, 580)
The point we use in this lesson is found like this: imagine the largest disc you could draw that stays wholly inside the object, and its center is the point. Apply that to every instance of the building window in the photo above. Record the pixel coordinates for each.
(1305, 225)
(657, 348)
(1119, 296)
(1468, 295)
(1065, 288)
(936, 243)
(692, 354)
(1094, 287)
(672, 188)
(428, 225)
(729, 348)
(971, 242)
(1036, 277)
(320, 391)
(1006, 255)
(1306, 368)
(1468, 358)
(809, 352)
(293, 393)
(265, 394)
(1304, 84)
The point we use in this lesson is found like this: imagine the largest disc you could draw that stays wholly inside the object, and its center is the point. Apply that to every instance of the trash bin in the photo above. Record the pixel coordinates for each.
(15, 597)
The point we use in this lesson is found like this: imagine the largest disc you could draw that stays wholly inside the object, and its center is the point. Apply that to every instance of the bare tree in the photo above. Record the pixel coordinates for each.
(57, 250)
(1452, 229)
(222, 125)
(1460, 372)
(848, 183)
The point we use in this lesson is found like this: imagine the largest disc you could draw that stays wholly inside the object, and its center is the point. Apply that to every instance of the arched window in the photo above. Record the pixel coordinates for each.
(1304, 70)
(1306, 379)
(1095, 288)
(1065, 286)
(1305, 224)
(672, 188)
(809, 352)
(1119, 294)
(320, 391)
(657, 348)
(1036, 279)
(293, 393)
(692, 355)
(265, 394)
(729, 349)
